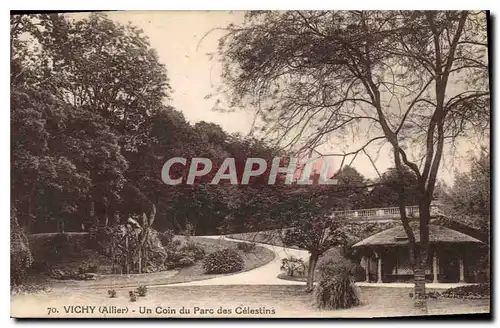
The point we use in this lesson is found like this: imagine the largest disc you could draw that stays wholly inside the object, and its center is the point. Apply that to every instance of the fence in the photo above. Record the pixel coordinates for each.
(378, 213)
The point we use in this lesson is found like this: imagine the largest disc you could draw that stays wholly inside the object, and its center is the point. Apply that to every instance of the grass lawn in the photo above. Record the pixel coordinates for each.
(254, 259)
(284, 301)
(284, 276)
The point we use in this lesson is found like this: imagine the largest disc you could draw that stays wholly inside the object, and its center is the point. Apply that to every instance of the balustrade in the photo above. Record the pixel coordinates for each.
(375, 213)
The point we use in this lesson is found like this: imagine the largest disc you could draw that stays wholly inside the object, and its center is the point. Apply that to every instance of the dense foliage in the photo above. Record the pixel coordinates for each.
(468, 200)
(90, 133)
(293, 266)
(223, 261)
(20, 254)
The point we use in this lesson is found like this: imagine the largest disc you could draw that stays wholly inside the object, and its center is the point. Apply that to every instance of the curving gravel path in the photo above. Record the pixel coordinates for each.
(264, 275)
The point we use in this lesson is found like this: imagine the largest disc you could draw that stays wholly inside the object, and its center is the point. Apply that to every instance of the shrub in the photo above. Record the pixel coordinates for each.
(428, 295)
(176, 243)
(193, 249)
(166, 237)
(433, 295)
(184, 256)
(142, 290)
(20, 255)
(293, 266)
(335, 289)
(20, 261)
(471, 291)
(223, 261)
(178, 259)
(156, 253)
(186, 261)
(87, 268)
(92, 268)
(133, 296)
(246, 247)
(112, 293)
(188, 231)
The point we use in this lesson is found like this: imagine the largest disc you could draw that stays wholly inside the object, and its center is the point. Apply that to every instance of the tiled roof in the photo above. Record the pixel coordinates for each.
(397, 236)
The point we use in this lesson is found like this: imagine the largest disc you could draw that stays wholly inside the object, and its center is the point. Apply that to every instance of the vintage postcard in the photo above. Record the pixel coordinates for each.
(250, 164)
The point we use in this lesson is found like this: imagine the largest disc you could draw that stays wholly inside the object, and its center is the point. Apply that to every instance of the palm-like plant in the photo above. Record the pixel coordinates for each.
(336, 289)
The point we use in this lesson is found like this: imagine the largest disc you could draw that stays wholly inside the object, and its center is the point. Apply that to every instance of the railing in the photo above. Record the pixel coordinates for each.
(382, 213)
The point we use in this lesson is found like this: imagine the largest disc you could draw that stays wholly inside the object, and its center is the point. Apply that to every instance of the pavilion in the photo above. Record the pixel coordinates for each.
(385, 255)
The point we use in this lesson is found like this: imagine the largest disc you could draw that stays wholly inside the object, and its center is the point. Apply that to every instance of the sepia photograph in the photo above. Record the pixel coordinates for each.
(250, 164)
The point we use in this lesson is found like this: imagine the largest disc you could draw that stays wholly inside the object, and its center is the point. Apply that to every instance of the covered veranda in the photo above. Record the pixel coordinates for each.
(385, 256)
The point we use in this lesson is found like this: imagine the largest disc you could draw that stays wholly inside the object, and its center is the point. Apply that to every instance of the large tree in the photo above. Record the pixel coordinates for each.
(469, 199)
(416, 81)
(102, 86)
(93, 63)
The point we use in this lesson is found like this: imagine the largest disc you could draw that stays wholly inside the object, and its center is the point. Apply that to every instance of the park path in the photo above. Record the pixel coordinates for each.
(263, 275)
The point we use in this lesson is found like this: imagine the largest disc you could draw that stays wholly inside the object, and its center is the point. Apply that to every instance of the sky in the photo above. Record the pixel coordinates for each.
(184, 38)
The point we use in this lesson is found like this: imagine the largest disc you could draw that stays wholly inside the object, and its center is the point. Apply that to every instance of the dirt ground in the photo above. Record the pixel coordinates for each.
(255, 301)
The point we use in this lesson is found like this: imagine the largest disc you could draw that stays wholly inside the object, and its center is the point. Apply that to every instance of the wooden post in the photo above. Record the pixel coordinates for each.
(379, 271)
(462, 270)
(435, 267)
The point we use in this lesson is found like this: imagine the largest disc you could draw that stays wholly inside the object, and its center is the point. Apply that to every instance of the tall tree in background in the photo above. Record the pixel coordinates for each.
(102, 83)
(351, 188)
(469, 200)
(416, 81)
(96, 64)
(386, 192)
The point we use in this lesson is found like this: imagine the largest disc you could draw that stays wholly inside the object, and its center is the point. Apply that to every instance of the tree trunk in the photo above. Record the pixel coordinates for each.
(113, 258)
(423, 255)
(140, 258)
(145, 249)
(419, 288)
(127, 267)
(313, 259)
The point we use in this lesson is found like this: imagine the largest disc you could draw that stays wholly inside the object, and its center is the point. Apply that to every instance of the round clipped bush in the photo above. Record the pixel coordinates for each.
(223, 261)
